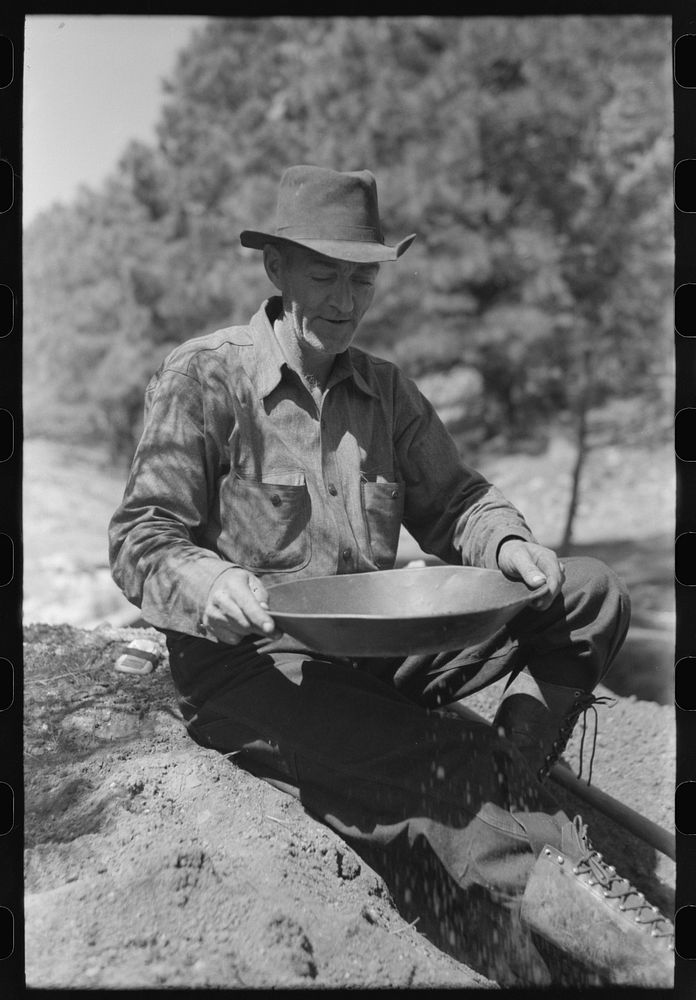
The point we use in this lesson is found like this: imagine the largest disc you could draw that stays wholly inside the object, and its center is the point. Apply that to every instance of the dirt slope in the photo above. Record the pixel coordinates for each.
(153, 863)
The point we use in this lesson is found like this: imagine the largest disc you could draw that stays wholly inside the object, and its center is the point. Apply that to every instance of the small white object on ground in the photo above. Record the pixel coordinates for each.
(141, 657)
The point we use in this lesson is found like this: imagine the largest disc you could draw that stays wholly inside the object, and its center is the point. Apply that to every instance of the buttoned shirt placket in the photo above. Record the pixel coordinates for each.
(321, 456)
(333, 484)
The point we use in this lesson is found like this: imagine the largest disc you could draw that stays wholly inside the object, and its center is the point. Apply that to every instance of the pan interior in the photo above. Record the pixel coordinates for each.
(402, 593)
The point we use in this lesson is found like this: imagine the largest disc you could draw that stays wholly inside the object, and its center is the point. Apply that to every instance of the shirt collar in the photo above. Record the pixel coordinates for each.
(269, 356)
(270, 360)
(344, 367)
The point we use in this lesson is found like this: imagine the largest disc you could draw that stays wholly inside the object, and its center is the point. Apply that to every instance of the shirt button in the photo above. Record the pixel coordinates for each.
(346, 554)
(332, 490)
(395, 494)
(275, 500)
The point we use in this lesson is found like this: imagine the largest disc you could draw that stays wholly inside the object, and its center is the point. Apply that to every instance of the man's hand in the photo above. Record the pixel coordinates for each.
(535, 565)
(237, 605)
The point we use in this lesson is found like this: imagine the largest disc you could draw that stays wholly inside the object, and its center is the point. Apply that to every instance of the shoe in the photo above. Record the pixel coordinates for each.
(584, 908)
(539, 719)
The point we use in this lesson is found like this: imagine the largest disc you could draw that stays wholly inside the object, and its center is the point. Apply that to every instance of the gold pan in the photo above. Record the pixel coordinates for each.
(397, 612)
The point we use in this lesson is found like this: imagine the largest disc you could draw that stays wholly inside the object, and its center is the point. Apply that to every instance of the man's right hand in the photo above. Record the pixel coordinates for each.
(237, 606)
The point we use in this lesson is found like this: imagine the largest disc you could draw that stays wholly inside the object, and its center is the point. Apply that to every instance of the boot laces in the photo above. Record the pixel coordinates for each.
(614, 887)
(582, 704)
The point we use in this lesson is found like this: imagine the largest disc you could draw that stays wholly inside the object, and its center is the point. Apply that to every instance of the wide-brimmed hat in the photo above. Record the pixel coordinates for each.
(331, 212)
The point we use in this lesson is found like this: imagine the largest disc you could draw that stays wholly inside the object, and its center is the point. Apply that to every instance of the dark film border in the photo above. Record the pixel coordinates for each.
(685, 684)
(11, 27)
(684, 93)
(11, 773)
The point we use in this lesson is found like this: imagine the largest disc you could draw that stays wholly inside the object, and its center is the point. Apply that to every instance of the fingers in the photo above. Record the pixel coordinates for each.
(224, 632)
(238, 606)
(523, 563)
(259, 591)
(537, 566)
(253, 601)
(554, 576)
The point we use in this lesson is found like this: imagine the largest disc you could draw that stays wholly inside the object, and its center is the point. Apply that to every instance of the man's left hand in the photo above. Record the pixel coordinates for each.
(535, 565)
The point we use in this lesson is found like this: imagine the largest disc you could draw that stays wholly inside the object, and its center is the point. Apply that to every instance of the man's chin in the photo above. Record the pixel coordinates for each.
(333, 337)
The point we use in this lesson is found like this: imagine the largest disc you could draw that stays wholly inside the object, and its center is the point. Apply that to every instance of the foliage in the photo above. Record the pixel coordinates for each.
(532, 156)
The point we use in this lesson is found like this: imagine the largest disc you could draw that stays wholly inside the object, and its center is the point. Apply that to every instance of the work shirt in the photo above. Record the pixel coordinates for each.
(239, 466)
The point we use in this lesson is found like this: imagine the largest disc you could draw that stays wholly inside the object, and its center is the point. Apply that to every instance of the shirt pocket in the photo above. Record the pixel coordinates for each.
(383, 509)
(267, 521)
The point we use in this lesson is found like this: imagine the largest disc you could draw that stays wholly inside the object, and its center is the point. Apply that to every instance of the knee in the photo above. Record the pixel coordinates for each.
(599, 586)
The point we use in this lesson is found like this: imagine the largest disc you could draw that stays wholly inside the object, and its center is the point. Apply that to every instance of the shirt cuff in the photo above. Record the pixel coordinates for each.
(202, 625)
(182, 608)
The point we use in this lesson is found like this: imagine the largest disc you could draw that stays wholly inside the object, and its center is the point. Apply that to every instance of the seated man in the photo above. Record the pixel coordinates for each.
(276, 451)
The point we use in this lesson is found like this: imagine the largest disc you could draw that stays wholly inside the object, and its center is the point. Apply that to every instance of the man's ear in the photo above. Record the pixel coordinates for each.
(273, 262)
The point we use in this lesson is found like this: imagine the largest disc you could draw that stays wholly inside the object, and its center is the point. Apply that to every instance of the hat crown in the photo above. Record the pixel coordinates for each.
(330, 212)
(322, 204)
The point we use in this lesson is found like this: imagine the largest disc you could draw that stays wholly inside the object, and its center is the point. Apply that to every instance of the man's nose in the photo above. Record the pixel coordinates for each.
(342, 296)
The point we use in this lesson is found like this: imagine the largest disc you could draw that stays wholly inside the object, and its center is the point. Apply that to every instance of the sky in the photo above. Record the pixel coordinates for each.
(91, 84)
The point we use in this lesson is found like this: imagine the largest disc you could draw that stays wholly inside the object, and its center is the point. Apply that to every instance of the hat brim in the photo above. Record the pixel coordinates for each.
(350, 250)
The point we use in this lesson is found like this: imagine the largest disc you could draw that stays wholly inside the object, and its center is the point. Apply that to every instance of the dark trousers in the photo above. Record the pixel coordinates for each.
(363, 745)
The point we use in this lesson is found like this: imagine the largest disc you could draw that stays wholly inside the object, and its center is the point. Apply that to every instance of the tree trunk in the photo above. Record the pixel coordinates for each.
(581, 450)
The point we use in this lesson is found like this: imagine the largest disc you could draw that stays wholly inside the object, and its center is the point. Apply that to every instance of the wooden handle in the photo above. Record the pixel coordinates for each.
(622, 814)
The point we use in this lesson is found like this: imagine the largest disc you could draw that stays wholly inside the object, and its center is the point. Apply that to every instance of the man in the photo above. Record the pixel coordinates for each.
(276, 451)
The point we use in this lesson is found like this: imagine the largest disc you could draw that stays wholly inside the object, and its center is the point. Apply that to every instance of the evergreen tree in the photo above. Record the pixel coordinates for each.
(532, 156)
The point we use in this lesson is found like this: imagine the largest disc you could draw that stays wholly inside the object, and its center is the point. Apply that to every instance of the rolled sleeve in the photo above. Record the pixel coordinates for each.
(154, 536)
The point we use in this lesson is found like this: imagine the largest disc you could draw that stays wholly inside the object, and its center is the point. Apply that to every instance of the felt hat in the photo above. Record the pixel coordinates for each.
(331, 212)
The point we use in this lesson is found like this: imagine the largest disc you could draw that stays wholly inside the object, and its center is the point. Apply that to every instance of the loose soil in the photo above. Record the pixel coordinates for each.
(153, 863)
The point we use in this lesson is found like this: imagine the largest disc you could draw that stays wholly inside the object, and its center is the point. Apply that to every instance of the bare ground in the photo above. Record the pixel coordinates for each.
(151, 862)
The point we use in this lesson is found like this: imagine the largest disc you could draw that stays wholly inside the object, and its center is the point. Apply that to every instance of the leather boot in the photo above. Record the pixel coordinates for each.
(579, 904)
(539, 718)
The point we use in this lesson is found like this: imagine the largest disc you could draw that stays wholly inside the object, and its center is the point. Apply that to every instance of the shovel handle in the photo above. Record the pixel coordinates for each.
(644, 828)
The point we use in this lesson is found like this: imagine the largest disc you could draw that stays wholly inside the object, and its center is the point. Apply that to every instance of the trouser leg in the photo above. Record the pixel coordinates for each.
(354, 746)
(542, 703)
(381, 770)
(555, 658)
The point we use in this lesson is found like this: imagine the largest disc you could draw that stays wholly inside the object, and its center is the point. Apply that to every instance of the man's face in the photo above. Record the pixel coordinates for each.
(324, 299)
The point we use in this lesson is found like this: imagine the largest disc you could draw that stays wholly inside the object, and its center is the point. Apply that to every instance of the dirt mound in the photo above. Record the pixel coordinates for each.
(151, 862)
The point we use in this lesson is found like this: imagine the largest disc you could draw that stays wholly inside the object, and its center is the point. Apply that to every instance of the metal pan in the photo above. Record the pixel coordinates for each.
(397, 612)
